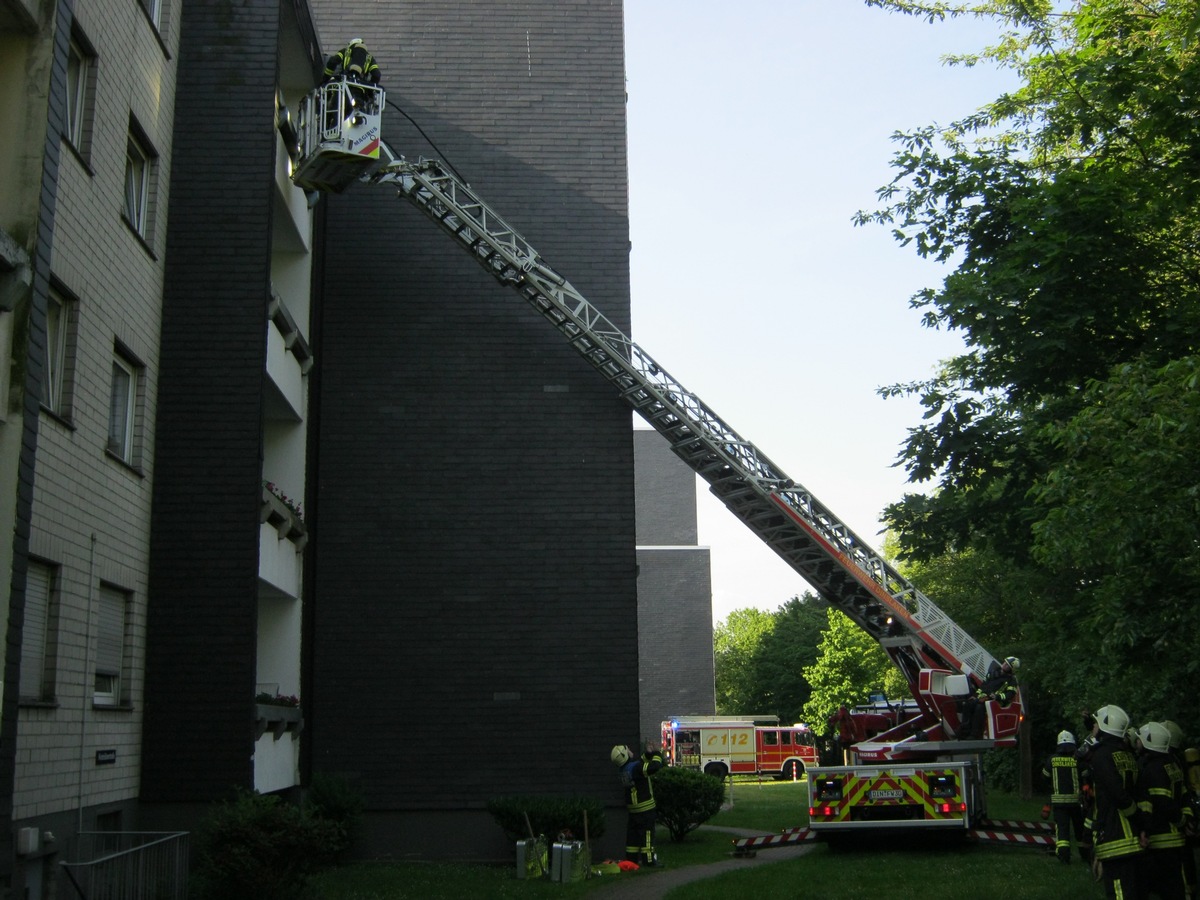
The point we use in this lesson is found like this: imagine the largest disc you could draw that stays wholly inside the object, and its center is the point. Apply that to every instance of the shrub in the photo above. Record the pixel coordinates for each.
(333, 799)
(1002, 769)
(547, 815)
(686, 799)
(259, 846)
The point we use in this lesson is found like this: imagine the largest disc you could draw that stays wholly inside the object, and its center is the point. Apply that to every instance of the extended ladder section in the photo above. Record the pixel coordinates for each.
(796, 525)
(927, 646)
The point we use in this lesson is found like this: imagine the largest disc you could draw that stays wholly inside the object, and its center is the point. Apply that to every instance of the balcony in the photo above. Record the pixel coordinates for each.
(282, 538)
(289, 359)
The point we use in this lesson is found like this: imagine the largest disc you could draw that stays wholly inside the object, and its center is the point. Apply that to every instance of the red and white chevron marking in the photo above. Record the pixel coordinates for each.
(791, 836)
(1016, 825)
(1012, 837)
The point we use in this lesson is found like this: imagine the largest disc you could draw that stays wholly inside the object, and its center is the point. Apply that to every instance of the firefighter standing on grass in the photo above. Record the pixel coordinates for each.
(635, 774)
(1066, 791)
(1116, 820)
(1160, 797)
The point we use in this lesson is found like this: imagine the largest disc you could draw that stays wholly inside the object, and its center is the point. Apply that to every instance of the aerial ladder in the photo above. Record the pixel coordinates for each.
(339, 143)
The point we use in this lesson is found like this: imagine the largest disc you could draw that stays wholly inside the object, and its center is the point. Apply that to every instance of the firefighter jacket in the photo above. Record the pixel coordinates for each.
(1160, 797)
(355, 62)
(1066, 778)
(1117, 819)
(635, 779)
(999, 684)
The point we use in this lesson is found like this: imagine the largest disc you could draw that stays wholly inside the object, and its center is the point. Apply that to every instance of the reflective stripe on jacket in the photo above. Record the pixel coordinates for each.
(1160, 789)
(635, 778)
(1063, 772)
(1116, 819)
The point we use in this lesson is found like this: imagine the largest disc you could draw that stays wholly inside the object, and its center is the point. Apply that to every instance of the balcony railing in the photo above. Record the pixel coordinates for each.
(129, 865)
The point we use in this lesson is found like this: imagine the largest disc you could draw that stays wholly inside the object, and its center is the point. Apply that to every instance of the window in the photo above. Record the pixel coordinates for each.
(141, 169)
(81, 70)
(137, 185)
(110, 647)
(123, 407)
(153, 9)
(770, 738)
(37, 638)
(787, 738)
(60, 330)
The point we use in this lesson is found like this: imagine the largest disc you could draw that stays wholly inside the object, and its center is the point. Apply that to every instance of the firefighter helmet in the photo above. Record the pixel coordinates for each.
(1065, 737)
(353, 41)
(1013, 662)
(620, 755)
(1112, 720)
(1155, 737)
(1176, 733)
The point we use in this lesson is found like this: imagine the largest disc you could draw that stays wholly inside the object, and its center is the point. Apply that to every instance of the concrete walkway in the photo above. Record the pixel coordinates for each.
(653, 884)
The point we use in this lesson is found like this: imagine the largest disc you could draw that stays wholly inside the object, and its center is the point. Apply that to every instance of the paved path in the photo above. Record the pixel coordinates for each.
(653, 885)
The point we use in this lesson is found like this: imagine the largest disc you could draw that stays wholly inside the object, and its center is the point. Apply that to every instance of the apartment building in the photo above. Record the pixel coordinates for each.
(259, 446)
(90, 89)
(474, 629)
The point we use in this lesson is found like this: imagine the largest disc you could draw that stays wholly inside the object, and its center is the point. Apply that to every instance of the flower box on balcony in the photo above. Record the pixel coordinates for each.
(280, 516)
(279, 720)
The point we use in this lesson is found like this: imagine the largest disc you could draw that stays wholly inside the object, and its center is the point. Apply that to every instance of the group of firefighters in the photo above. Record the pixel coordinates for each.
(1131, 796)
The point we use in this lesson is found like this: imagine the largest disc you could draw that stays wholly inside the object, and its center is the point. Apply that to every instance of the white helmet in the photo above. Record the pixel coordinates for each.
(1155, 737)
(353, 41)
(1112, 720)
(620, 755)
(1065, 737)
(1176, 733)
(1013, 662)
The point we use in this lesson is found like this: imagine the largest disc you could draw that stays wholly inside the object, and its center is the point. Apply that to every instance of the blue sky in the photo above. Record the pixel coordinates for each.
(756, 131)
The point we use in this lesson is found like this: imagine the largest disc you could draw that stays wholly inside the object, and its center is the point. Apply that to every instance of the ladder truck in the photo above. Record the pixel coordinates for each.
(908, 767)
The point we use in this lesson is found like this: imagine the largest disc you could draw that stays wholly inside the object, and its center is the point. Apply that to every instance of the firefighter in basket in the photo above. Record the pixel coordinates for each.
(353, 62)
(1000, 685)
(635, 775)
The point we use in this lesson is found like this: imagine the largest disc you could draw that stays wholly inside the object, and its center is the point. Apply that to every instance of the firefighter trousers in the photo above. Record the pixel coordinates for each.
(639, 837)
(1066, 817)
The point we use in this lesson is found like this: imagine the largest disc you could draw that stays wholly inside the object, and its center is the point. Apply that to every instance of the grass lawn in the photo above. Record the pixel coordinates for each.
(931, 872)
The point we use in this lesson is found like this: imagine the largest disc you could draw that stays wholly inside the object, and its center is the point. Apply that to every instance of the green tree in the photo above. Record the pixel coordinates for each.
(760, 658)
(1128, 488)
(786, 651)
(850, 666)
(736, 644)
(1056, 442)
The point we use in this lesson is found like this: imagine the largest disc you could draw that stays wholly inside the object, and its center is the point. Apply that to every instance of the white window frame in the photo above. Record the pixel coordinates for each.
(153, 10)
(112, 644)
(59, 337)
(37, 634)
(137, 184)
(122, 408)
(81, 65)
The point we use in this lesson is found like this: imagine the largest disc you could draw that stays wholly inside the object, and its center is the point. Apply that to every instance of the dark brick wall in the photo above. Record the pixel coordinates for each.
(474, 612)
(675, 635)
(200, 668)
(666, 492)
(674, 589)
